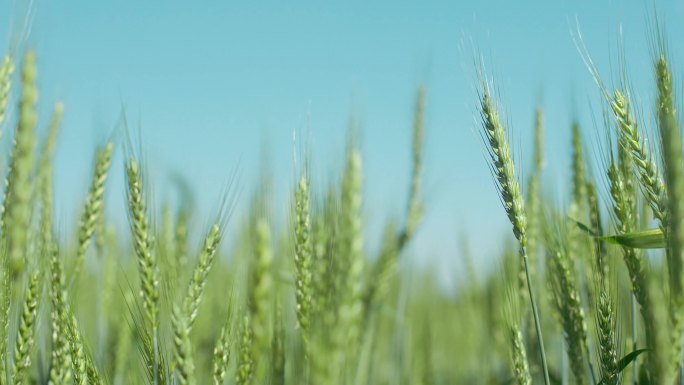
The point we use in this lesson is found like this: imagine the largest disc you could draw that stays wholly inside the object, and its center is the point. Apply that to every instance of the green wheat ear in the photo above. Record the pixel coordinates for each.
(222, 350)
(608, 338)
(205, 261)
(16, 207)
(503, 169)
(303, 258)
(6, 70)
(78, 356)
(185, 366)
(94, 205)
(147, 267)
(520, 366)
(26, 333)
(566, 297)
(671, 144)
(260, 297)
(60, 371)
(245, 366)
(647, 169)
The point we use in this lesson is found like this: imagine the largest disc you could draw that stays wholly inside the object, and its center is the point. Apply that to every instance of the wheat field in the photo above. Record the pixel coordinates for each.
(589, 292)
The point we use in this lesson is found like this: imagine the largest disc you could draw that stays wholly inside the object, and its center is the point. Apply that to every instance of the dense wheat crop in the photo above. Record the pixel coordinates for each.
(590, 292)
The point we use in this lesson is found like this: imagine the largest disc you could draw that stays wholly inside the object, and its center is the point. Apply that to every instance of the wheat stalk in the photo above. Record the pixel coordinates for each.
(509, 190)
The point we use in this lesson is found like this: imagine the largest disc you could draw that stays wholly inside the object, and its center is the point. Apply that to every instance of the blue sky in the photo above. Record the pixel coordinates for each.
(215, 83)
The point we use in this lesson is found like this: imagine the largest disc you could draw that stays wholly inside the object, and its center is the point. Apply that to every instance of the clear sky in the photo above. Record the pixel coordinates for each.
(212, 84)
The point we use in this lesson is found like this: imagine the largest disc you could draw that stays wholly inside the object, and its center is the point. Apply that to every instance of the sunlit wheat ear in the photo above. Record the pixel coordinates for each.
(182, 347)
(245, 364)
(60, 370)
(608, 336)
(671, 147)
(260, 297)
(303, 258)
(636, 268)
(205, 261)
(606, 319)
(94, 376)
(26, 333)
(222, 350)
(147, 265)
(82, 364)
(503, 169)
(16, 206)
(6, 70)
(519, 357)
(647, 169)
(94, 205)
(78, 357)
(351, 238)
(568, 307)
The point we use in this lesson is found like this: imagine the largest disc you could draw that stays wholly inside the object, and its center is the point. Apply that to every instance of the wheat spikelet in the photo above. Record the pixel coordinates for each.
(16, 207)
(93, 208)
(182, 351)
(222, 351)
(60, 372)
(6, 70)
(25, 335)
(303, 257)
(147, 266)
(78, 356)
(193, 296)
(245, 365)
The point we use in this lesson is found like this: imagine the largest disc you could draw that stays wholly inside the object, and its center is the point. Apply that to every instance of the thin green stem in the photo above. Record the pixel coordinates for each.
(537, 322)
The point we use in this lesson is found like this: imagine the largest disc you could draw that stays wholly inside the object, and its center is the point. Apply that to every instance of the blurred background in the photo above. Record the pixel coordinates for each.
(218, 85)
